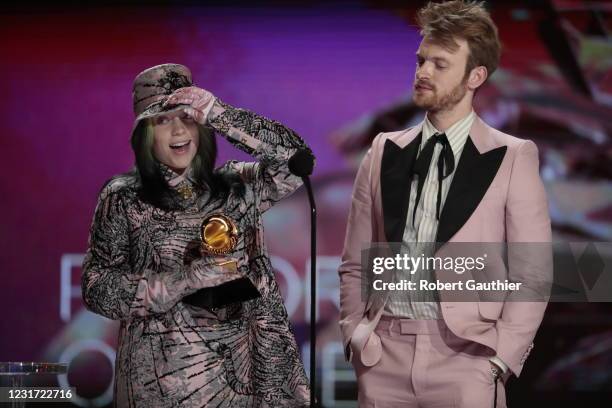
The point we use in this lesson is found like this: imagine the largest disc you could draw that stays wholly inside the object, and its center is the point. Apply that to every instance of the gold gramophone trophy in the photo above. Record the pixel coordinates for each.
(219, 234)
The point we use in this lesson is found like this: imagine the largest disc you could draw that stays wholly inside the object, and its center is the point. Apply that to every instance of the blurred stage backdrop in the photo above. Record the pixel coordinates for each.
(337, 73)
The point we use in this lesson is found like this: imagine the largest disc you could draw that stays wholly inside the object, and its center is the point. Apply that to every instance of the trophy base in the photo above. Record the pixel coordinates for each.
(236, 291)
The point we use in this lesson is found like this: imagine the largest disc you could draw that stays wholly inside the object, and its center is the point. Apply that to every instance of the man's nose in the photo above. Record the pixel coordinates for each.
(424, 71)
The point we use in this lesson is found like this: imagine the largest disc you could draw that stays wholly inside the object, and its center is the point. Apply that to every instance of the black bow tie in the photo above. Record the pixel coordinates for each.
(446, 165)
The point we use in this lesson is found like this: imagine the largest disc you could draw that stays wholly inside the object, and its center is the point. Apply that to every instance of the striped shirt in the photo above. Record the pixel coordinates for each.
(419, 239)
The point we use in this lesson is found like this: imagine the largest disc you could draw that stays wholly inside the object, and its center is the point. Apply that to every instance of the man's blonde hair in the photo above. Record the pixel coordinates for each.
(443, 23)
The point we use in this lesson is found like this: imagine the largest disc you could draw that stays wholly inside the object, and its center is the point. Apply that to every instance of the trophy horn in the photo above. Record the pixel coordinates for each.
(219, 234)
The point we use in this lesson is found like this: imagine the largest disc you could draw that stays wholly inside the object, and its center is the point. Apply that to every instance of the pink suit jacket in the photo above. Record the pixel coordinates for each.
(496, 196)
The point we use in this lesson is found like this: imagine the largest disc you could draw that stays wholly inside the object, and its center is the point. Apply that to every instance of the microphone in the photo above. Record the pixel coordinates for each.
(301, 163)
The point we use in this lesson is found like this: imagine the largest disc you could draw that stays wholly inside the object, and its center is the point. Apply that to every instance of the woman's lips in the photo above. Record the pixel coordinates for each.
(180, 147)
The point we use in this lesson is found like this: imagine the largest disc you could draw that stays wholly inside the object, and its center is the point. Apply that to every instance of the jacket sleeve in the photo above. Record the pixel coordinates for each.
(113, 289)
(528, 235)
(270, 142)
(358, 234)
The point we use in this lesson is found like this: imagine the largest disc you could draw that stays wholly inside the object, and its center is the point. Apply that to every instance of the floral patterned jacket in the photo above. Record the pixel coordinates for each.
(142, 261)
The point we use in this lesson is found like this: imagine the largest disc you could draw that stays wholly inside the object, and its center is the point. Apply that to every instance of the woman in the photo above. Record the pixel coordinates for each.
(145, 255)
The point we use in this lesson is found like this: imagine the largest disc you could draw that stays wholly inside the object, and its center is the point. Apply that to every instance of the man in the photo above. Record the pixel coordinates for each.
(452, 178)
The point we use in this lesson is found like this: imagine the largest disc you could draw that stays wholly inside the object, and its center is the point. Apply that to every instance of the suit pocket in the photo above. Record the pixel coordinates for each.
(490, 311)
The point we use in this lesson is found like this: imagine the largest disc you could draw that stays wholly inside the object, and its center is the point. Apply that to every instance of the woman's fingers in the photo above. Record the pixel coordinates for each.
(179, 99)
(189, 95)
(197, 103)
(196, 114)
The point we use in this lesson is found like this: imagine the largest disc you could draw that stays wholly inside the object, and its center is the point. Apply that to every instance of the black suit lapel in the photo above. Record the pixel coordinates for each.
(474, 174)
(395, 180)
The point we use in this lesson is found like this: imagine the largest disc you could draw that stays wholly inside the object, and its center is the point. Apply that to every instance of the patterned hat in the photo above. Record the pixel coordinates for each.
(153, 86)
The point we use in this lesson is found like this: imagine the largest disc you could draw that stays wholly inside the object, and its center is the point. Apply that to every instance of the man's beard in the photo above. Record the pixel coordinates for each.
(435, 103)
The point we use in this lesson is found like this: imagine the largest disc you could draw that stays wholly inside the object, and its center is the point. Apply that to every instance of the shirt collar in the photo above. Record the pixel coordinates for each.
(457, 134)
(174, 179)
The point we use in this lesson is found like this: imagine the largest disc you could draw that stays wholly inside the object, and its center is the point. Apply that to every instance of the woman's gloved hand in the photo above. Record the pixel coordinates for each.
(210, 271)
(200, 102)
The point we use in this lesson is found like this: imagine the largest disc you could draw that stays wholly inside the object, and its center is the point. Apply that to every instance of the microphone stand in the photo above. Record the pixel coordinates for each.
(313, 290)
(301, 164)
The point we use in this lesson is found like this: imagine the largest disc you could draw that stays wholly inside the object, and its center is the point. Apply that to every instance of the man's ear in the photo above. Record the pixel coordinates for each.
(477, 77)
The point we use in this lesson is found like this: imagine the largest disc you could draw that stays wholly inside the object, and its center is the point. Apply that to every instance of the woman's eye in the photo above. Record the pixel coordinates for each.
(161, 120)
(187, 118)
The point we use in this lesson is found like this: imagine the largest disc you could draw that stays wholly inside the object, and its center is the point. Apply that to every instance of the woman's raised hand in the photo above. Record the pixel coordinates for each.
(200, 102)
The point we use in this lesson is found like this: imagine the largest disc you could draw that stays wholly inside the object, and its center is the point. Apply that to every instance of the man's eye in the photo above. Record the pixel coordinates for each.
(441, 66)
